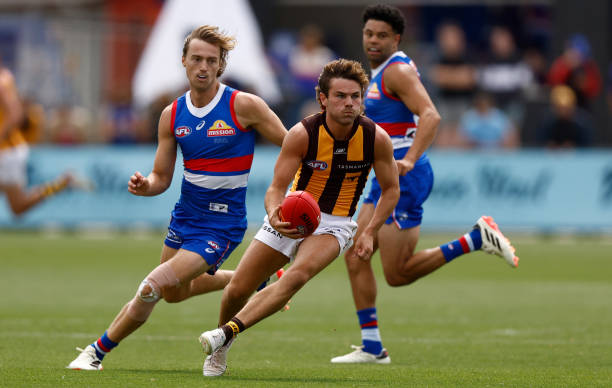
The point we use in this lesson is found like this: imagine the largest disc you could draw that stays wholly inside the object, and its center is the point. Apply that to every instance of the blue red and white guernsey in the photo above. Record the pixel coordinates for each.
(393, 116)
(217, 157)
(389, 111)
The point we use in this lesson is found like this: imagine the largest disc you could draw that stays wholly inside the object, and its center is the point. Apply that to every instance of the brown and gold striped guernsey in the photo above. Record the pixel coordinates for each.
(336, 171)
(14, 136)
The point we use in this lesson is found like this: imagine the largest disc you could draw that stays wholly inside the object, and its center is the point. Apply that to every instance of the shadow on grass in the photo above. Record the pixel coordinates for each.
(242, 377)
(311, 379)
(152, 372)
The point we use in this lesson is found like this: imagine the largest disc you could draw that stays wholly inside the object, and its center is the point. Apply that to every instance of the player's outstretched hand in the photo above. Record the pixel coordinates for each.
(138, 184)
(283, 228)
(404, 166)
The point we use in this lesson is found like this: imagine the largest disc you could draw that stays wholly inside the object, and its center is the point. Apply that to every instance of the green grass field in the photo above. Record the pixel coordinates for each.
(475, 322)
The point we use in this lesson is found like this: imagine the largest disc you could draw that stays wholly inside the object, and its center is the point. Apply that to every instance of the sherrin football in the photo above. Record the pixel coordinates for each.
(302, 211)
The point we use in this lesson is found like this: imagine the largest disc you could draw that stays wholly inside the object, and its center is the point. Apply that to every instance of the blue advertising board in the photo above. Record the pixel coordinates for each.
(110, 204)
(530, 189)
(523, 190)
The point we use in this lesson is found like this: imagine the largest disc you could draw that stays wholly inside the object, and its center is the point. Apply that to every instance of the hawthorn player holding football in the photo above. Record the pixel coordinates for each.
(329, 155)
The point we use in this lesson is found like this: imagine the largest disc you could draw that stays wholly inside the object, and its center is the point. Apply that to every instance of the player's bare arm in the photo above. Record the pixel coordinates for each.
(387, 175)
(403, 81)
(9, 102)
(252, 111)
(293, 150)
(163, 168)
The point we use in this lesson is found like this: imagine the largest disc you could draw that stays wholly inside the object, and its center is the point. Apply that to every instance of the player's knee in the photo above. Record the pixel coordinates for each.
(17, 208)
(161, 278)
(294, 280)
(397, 279)
(174, 295)
(148, 291)
(353, 265)
(394, 281)
(236, 291)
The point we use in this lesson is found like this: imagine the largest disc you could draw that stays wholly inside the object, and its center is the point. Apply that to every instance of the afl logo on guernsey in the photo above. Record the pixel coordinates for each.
(317, 165)
(220, 128)
(182, 131)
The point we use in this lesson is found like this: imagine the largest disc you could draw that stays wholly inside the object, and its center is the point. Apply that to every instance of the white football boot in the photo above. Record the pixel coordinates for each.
(494, 242)
(212, 340)
(87, 360)
(358, 356)
(216, 363)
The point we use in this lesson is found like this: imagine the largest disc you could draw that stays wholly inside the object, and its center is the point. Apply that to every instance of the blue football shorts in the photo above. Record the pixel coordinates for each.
(211, 241)
(415, 187)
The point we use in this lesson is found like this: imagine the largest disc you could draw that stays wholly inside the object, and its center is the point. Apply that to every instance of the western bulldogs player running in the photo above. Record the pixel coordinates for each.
(212, 123)
(395, 95)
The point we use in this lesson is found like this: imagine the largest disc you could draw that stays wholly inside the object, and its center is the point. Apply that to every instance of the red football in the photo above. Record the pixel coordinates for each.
(301, 209)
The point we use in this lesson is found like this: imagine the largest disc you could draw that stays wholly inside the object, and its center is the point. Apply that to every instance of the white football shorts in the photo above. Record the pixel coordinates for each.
(342, 228)
(13, 162)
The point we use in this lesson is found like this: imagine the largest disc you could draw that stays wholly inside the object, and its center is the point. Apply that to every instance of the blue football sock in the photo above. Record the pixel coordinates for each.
(469, 242)
(103, 345)
(370, 335)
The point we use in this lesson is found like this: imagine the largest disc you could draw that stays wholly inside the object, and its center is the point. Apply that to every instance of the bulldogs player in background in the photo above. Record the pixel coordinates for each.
(213, 124)
(394, 97)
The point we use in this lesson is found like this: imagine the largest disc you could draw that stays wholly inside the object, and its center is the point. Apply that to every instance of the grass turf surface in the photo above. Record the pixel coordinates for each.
(475, 322)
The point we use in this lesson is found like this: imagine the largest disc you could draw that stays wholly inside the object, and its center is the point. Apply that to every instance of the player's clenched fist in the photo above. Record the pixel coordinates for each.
(364, 247)
(138, 184)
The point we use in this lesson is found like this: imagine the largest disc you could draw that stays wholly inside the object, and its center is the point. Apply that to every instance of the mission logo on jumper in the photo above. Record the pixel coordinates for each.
(317, 165)
(182, 131)
(220, 128)
(373, 92)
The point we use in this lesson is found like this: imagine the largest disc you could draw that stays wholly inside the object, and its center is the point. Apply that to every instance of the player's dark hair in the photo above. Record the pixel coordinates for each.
(341, 68)
(212, 35)
(386, 13)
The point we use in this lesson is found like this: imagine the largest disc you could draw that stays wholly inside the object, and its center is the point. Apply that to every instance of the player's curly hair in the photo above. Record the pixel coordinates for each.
(212, 35)
(387, 14)
(341, 68)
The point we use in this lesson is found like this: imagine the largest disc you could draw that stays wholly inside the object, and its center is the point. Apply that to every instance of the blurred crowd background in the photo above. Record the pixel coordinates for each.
(503, 74)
